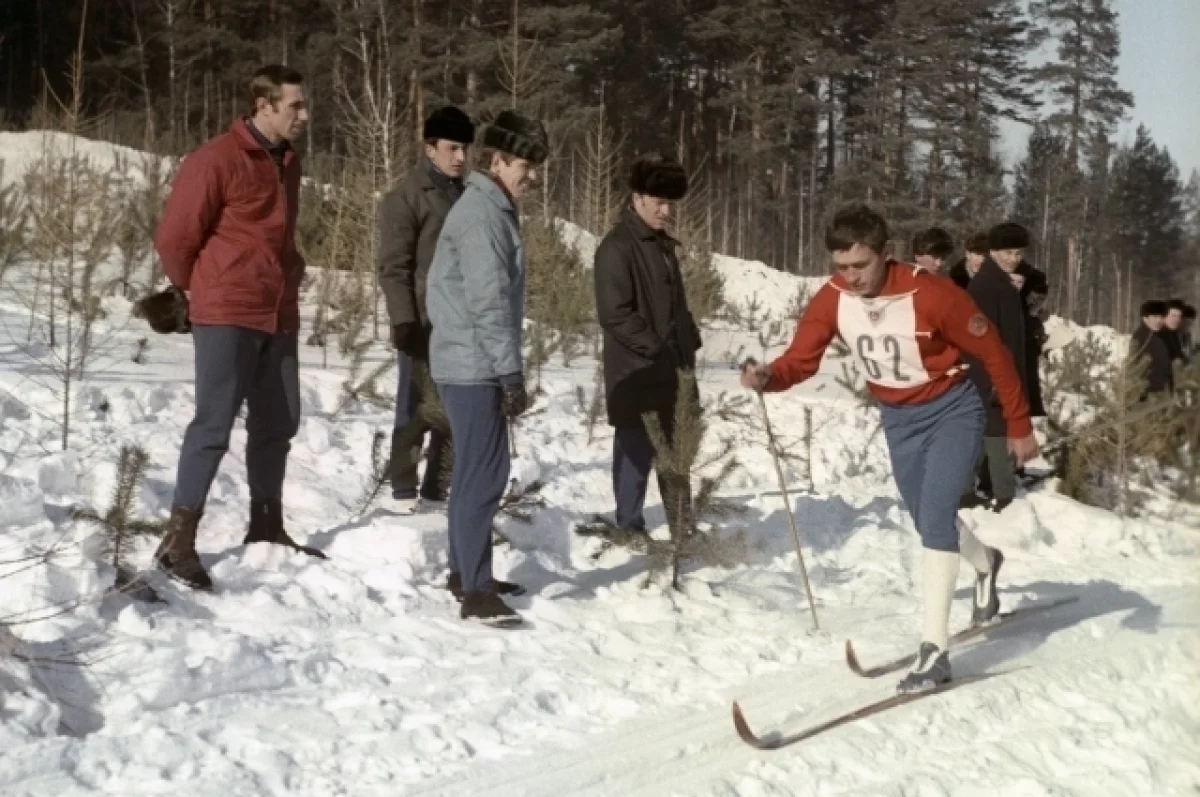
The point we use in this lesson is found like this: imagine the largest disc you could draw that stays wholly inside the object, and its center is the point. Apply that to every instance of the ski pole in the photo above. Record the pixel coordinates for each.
(787, 505)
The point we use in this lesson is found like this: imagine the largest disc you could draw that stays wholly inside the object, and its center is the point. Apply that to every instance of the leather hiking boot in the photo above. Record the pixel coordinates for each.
(266, 525)
(454, 584)
(176, 554)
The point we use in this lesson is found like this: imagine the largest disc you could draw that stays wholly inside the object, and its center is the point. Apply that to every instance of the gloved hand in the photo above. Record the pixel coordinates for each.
(407, 336)
(513, 400)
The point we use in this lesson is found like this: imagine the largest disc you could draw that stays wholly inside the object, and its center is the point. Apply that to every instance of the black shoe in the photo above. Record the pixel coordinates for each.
(932, 670)
(266, 525)
(488, 608)
(972, 500)
(454, 584)
(987, 600)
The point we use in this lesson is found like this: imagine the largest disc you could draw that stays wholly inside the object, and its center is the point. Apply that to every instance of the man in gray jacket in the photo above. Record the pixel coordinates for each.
(476, 302)
(410, 220)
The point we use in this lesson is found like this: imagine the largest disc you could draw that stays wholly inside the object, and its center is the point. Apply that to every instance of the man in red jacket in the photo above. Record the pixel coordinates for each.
(227, 237)
(906, 328)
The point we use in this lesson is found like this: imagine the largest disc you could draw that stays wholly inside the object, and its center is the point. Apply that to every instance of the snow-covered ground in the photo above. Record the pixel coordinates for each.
(353, 676)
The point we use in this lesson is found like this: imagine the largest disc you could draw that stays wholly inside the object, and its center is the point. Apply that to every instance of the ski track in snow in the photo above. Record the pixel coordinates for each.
(353, 676)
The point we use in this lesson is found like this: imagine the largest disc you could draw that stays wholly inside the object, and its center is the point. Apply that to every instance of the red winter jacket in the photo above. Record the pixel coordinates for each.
(227, 234)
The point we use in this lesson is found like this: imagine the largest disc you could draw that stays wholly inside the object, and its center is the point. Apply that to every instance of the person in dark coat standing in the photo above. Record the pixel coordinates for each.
(227, 238)
(1147, 345)
(649, 332)
(410, 219)
(993, 290)
(1034, 289)
(976, 249)
(1171, 333)
(931, 247)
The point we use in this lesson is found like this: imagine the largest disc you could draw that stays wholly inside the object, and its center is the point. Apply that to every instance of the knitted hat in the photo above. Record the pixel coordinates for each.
(659, 177)
(1008, 235)
(451, 124)
(517, 134)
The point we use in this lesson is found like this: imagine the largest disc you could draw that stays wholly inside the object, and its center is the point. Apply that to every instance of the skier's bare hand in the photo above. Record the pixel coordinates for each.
(755, 375)
(1023, 449)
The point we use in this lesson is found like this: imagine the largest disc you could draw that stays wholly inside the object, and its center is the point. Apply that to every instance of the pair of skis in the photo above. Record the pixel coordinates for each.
(775, 740)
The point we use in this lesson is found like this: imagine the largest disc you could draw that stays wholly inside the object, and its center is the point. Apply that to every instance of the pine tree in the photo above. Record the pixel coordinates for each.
(1147, 216)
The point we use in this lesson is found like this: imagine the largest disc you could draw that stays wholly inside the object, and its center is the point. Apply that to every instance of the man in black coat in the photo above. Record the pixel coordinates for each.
(1171, 333)
(1034, 289)
(975, 251)
(997, 296)
(410, 220)
(649, 332)
(1146, 345)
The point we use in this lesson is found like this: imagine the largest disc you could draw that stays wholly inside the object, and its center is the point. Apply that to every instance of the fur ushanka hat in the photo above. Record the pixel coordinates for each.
(519, 135)
(451, 124)
(1008, 235)
(658, 177)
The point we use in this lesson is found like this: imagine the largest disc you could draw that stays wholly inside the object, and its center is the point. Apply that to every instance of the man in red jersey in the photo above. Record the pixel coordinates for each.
(906, 328)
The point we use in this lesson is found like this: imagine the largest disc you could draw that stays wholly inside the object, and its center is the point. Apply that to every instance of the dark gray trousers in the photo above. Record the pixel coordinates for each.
(235, 365)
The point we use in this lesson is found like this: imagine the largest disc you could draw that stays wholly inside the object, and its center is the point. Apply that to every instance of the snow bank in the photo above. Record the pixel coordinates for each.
(355, 676)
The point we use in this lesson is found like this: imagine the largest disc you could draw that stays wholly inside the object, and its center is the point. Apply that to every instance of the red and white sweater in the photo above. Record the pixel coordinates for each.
(906, 341)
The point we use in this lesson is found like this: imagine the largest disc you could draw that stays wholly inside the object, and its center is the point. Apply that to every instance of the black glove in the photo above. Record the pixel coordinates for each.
(166, 311)
(407, 336)
(513, 400)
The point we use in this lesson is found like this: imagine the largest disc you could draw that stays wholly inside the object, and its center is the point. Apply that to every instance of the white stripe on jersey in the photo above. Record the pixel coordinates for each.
(882, 336)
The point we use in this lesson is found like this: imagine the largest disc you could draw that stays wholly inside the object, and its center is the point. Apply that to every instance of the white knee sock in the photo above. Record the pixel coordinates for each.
(974, 551)
(940, 573)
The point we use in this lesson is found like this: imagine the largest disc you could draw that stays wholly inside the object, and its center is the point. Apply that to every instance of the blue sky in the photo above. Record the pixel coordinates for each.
(1160, 66)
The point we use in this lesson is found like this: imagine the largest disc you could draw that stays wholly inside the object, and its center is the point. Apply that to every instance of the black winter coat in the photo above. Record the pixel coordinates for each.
(999, 300)
(1146, 343)
(1033, 295)
(649, 331)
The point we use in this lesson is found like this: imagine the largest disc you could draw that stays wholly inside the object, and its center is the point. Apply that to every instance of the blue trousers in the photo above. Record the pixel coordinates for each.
(409, 430)
(235, 365)
(633, 459)
(933, 447)
(481, 468)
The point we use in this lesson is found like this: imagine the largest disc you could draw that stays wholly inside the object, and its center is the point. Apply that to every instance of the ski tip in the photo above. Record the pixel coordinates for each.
(852, 659)
(743, 728)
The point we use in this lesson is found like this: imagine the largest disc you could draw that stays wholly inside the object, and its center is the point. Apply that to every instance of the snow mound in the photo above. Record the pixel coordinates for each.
(772, 293)
(19, 151)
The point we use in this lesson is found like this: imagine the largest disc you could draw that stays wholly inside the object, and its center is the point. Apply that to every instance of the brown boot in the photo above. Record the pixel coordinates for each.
(266, 525)
(176, 554)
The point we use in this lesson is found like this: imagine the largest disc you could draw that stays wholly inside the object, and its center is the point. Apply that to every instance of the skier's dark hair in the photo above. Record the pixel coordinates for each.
(934, 242)
(1176, 304)
(856, 224)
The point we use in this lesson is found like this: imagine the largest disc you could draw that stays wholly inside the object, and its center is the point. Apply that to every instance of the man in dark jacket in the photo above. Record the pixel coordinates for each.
(410, 219)
(976, 249)
(227, 238)
(1034, 289)
(1171, 333)
(649, 332)
(993, 290)
(1146, 345)
(931, 247)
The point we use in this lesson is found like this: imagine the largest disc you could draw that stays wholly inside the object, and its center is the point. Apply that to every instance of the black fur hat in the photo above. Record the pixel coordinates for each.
(1008, 235)
(451, 124)
(517, 134)
(166, 311)
(660, 177)
(1154, 307)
